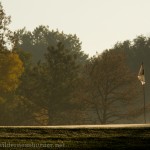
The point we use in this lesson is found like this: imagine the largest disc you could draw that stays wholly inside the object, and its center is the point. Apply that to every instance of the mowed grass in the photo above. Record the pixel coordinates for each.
(74, 138)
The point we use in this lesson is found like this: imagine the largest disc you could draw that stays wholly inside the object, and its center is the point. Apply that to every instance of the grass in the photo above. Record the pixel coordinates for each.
(74, 138)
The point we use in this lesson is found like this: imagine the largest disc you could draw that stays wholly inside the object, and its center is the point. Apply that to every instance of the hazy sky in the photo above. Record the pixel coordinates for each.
(98, 23)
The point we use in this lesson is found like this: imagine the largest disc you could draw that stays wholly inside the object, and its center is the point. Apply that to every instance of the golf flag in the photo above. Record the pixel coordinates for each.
(141, 75)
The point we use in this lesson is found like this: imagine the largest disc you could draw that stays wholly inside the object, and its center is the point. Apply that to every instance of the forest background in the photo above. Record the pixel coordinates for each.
(47, 79)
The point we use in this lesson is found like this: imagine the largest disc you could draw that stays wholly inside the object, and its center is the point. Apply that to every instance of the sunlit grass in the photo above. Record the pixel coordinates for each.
(77, 137)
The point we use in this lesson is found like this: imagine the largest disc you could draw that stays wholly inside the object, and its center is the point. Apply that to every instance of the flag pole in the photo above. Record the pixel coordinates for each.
(141, 77)
(144, 104)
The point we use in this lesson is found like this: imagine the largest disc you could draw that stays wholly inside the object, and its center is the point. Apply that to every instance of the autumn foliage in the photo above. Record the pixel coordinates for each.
(11, 68)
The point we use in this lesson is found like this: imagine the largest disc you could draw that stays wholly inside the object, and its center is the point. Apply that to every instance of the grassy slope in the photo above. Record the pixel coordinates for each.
(116, 138)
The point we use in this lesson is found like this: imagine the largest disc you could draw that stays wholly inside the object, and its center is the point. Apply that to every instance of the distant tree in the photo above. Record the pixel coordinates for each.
(36, 75)
(138, 51)
(53, 83)
(64, 71)
(109, 86)
(6, 36)
(36, 42)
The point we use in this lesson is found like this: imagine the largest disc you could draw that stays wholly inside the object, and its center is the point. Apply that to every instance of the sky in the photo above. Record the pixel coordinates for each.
(99, 24)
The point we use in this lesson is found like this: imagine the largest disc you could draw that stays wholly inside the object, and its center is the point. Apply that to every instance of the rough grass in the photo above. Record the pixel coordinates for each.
(74, 138)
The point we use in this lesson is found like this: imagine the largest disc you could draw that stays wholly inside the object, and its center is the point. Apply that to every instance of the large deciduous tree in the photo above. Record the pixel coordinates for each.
(109, 86)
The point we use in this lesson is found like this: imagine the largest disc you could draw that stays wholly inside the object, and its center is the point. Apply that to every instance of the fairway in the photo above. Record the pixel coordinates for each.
(75, 137)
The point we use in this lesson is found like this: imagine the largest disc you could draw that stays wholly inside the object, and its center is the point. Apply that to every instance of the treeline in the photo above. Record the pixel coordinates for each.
(46, 79)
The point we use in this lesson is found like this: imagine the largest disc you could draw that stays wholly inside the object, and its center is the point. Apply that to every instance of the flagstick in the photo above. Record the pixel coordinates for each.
(144, 103)
(141, 77)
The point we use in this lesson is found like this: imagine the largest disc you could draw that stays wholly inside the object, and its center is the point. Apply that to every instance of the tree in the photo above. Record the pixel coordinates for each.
(37, 76)
(6, 36)
(138, 51)
(52, 84)
(11, 69)
(64, 70)
(109, 86)
(36, 42)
